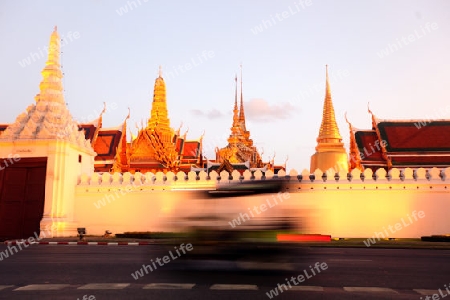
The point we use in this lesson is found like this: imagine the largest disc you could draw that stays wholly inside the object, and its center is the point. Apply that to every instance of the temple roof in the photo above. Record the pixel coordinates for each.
(191, 149)
(89, 131)
(49, 118)
(412, 143)
(106, 143)
(368, 148)
(405, 136)
(3, 127)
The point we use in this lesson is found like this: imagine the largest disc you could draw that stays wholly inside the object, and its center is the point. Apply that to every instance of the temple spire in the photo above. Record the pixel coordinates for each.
(235, 109)
(159, 113)
(241, 109)
(51, 88)
(49, 119)
(330, 155)
(235, 126)
(329, 131)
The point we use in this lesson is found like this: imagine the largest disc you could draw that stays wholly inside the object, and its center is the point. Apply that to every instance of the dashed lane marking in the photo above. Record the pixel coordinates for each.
(249, 287)
(42, 287)
(169, 286)
(370, 289)
(189, 286)
(104, 286)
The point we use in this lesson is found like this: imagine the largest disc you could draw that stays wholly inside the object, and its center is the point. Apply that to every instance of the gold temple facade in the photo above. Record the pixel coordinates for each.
(330, 151)
(156, 148)
(240, 148)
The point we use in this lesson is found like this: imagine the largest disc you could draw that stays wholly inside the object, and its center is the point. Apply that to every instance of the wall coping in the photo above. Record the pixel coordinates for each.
(183, 180)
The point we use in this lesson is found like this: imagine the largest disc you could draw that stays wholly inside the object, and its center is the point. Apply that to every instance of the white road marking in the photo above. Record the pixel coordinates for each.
(370, 289)
(234, 287)
(169, 286)
(42, 287)
(104, 286)
(307, 288)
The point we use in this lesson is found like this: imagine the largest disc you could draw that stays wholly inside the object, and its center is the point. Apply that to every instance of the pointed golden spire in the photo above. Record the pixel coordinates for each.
(241, 110)
(235, 109)
(330, 152)
(235, 126)
(159, 114)
(51, 88)
(329, 131)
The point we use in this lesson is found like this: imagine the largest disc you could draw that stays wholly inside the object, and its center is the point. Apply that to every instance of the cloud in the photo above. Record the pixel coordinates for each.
(259, 110)
(211, 114)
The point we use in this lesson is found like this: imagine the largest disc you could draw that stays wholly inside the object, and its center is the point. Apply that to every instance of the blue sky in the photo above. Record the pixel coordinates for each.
(393, 54)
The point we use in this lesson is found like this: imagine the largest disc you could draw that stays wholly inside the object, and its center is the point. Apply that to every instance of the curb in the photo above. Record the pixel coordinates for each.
(9, 243)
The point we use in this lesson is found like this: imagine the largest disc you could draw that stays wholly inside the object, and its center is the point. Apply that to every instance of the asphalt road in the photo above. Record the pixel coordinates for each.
(105, 272)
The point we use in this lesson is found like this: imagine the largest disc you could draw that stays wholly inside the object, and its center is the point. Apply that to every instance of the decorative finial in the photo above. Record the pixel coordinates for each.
(241, 109)
(160, 71)
(129, 113)
(368, 108)
(55, 29)
(104, 108)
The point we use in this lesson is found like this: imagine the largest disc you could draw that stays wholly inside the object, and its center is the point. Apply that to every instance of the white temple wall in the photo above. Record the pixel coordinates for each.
(397, 208)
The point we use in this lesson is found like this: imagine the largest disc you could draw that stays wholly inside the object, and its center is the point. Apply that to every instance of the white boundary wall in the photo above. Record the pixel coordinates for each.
(402, 204)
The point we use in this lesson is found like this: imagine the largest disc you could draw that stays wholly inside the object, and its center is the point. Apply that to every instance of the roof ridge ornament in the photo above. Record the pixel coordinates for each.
(374, 118)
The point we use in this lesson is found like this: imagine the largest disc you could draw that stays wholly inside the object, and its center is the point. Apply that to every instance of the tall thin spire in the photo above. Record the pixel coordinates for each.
(241, 109)
(51, 88)
(329, 131)
(235, 126)
(235, 109)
